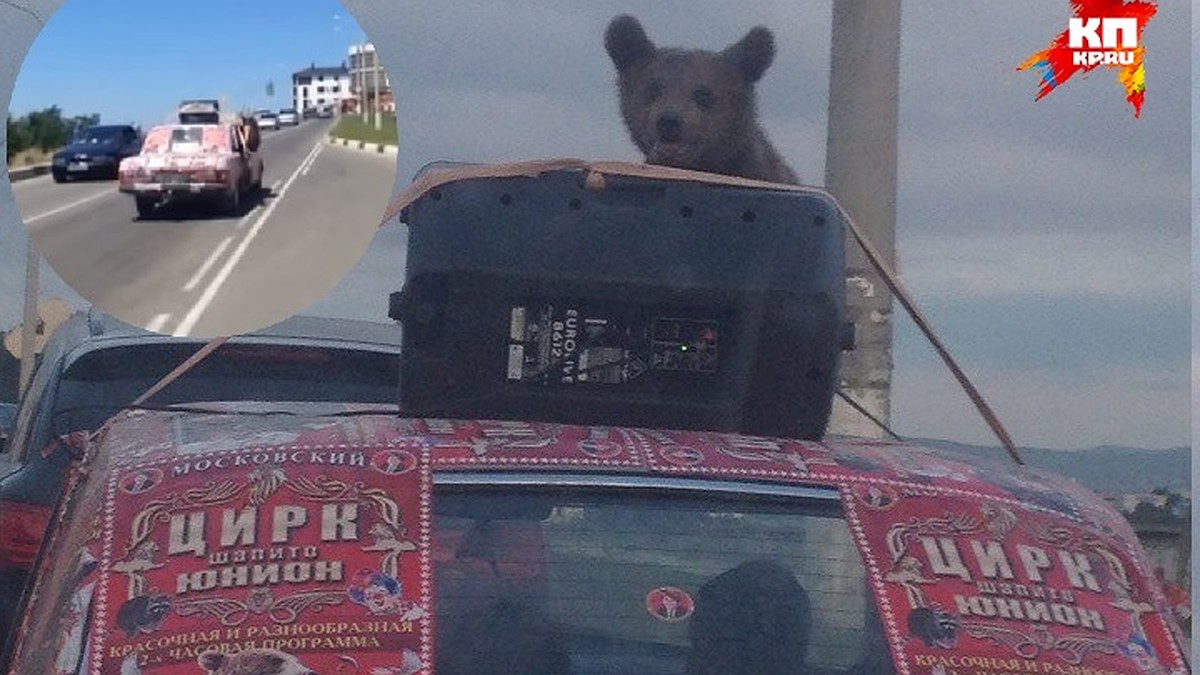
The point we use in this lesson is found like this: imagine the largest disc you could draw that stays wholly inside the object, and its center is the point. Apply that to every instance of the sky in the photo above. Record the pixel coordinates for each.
(181, 50)
(1048, 242)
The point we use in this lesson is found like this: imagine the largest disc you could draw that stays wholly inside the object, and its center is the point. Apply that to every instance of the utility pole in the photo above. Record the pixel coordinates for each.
(29, 325)
(860, 172)
(375, 87)
(362, 82)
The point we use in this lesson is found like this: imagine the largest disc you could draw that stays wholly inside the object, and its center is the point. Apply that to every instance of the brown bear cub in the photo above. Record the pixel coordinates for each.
(695, 109)
(252, 662)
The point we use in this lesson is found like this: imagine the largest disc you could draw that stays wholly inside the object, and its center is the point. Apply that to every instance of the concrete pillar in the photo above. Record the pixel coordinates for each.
(860, 172)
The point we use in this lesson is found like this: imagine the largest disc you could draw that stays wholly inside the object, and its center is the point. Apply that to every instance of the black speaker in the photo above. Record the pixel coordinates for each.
(640, 302)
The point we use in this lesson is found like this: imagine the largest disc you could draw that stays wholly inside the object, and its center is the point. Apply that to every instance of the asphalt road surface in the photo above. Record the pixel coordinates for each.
(193, 272)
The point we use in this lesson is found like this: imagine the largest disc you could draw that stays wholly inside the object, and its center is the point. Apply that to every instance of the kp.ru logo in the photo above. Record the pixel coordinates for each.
(1114, 46)
(1102, 33)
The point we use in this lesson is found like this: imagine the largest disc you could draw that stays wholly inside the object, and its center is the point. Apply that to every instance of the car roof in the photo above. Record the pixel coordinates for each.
(92, 329)
(896, 501)
(548, 448)
(189, 125)
(103, 325)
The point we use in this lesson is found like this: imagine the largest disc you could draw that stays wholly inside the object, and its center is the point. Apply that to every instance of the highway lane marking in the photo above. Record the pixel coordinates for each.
(257, 207)
(157, 322)
(208, 263)
(312, 159)
(189, 321)
(71, 205)
(246, 218)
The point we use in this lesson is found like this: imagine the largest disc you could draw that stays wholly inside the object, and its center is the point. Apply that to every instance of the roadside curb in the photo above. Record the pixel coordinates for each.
(25, 172)
(377, 148)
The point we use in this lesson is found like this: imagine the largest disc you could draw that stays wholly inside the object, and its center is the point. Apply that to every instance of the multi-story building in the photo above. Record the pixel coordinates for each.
(363, 63)
(321, 87)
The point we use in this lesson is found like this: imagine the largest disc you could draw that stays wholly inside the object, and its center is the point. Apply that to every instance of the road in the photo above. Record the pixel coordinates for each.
(196, 273)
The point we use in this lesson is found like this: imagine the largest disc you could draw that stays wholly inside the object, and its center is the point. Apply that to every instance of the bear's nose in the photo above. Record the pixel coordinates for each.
(670, 128)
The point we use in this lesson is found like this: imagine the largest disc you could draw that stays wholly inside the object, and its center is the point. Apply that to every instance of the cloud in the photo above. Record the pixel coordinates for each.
(992, 263)
(972, 181)
(1044, 409)
(1070, 336)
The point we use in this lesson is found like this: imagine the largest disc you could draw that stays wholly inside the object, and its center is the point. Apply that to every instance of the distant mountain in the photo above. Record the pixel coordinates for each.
(1106, 469)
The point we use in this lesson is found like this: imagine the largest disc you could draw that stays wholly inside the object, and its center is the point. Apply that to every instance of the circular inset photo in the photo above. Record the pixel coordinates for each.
(202, 169)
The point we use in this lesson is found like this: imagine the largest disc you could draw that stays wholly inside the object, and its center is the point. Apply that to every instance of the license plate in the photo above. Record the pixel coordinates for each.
(170, 179)
(77, 166)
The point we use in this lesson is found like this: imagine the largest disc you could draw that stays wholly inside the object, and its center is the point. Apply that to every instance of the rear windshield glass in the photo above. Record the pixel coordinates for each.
(99, 135)
(569, 581)
(94, 386)
(187, 139)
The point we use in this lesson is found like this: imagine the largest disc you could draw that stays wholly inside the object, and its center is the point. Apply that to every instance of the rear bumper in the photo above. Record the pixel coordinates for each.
(161, 190)
(100, 166)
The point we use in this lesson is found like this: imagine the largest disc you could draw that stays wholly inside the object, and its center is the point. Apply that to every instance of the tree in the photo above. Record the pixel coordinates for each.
(80, 122)
(48, 129)
(45, 129)
(1175, 510)
(18, 137)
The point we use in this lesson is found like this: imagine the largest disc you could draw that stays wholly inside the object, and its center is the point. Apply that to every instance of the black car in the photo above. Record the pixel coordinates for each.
(94, 365)
(96, 151)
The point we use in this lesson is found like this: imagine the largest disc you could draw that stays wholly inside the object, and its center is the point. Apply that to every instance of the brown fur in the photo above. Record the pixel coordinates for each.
(252, 662)
(695, 109)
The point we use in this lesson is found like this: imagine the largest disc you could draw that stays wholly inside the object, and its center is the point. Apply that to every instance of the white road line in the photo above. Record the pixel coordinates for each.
(312, 159)
(64, 207)
(189, 321)
(257, 208)
(246, 218)
(157, 322)
(208, 263)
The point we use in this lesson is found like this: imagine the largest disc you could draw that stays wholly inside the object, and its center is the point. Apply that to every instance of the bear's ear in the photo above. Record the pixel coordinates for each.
(626, 42)
(753, 54)
(211, 660)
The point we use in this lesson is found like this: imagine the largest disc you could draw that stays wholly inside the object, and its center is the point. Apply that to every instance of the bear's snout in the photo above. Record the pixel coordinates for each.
(669, 127)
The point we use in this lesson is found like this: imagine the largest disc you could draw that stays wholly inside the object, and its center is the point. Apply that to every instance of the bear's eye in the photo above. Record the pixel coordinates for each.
(703, 98)
(653, 90)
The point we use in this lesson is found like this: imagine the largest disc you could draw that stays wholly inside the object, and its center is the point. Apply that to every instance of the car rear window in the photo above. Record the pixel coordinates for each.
(648, 581)
(98, 135)
(94, 386)
(186, 139)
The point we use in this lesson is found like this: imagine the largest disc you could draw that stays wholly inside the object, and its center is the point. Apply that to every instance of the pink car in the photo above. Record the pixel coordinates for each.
(190, 161)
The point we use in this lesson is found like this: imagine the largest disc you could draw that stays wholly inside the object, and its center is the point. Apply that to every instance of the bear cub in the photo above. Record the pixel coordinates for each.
(695, 109)
(252, 662)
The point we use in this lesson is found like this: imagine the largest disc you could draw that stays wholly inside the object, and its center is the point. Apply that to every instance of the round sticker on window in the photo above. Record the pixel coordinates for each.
(669, 604)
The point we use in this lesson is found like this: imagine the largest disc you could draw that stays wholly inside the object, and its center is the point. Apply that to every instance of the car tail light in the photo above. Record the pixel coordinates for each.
(22, 527)
(222, 176)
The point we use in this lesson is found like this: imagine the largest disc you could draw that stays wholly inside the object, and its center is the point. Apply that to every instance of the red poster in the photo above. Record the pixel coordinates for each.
(297, 558)
(984, 586)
